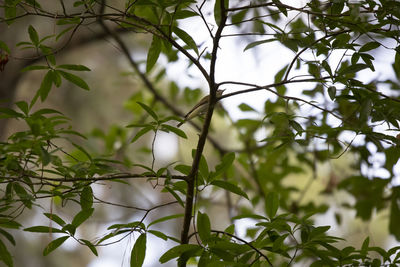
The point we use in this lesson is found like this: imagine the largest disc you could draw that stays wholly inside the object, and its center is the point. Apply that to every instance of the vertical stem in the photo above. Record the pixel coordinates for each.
(191, 179)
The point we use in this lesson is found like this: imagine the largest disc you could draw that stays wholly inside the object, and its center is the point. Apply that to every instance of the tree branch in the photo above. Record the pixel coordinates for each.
(202, 139)
(269, 86)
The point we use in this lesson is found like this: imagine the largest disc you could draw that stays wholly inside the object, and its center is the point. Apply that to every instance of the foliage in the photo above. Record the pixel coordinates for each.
(334, 45)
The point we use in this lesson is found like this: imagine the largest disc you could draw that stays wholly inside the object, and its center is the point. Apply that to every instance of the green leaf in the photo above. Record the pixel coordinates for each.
(45, 156)
(9, 223)
(10, 11)
(48, 52)
(69, 228)
(33, 35)
(230, 187)
(369, 46)
(45, 86)
(278, 243)
(281, 7)
(227, 161)
(73, 67)
(153, 53)
(205, 260)
(394, 219)
(10, 113)
(238, 17)
(203, 167)
(274, 27)
(183, 14)
(158, 234)
(366, 108)
(106, 237)
(5, 255)
(337, 7)
(256, 43)
(230, 229)
(73, 20)
(365, 246)
(187, 39)
(137, 125)
(332, 92)
(341, 41)
(177, 131)
(90, 246)
(184, 169)
(46, 37)
(318, 231)
(141, 132)
(44, 111)
(23, 194)
(166, 218)
(55, 218)
(26, 44)
(86, 200)
(131, 225)
(149, 110)
(82, 216)
(175, 195)
(80, 148)
(203, 227)
(292, 44)
(54, 244)
(272, 204)
(392, 157)
(23, 106)
(218, 11)
(380, 251)
(396, 64)
(244, 107)
(43, 229)
(57, 78)
(367, 58)
(178, 251)
(280, 74)
(8, 236)
(354, 58)
(326, 66)
(225, 249)
(74, 79)
(352, 69)
(60, 34)
(297, 126)
(139, 251)
(4, 47)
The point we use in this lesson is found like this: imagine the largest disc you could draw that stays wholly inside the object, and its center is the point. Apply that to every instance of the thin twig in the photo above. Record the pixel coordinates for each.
(245, 242)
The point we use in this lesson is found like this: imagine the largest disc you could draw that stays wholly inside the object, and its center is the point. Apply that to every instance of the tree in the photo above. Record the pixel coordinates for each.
(348, 112)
